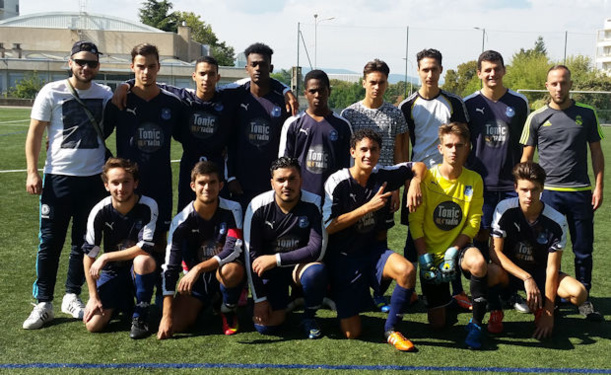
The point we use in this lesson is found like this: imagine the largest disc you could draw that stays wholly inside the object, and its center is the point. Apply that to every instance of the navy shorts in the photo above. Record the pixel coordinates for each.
(277, 282)
(206, 287)
(350, 278)
(116, 289)
(491, 199)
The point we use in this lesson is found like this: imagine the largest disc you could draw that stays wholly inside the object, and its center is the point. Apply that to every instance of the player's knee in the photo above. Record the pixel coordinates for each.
(95, 325)
(475, 263)
(267, 330)
(144, 264)
(231, 274)
(404, 273)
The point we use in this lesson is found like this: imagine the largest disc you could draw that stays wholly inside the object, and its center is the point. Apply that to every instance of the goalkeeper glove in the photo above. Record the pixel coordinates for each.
(428, 271)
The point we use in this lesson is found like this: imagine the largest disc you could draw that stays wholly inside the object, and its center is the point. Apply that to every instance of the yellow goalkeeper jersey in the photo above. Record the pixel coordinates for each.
(449, 208)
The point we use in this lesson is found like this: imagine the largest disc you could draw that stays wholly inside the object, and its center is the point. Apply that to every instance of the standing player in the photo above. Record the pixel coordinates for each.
(144, 131)
(72, 184)
(528, 239)
(443, 228)
(205, 239)
(127, 222)
(497, 117)
(425, 111)
(285, 242)
(259, 124)
(353, 199)
(318, 138)
(562, 131)
(374, 113)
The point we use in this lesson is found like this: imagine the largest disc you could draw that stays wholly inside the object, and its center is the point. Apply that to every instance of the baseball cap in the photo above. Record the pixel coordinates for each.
(82, 45)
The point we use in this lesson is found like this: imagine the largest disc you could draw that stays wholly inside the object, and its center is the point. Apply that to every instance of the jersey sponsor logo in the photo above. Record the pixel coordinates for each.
(149, 137)
(45, 211)
(304, 222)
(333, 135)
(447, 215)
(480, 110)
(286, 243)
(208, 249)
(579, 120)
(219, 107)
(366, 223)
(259, 132)
(496, 133)
(468, 191)
(203, 125)
(524, 252)
(132, 110)
(510, 112)
(317, 159)
(166, 113)
(276, 111)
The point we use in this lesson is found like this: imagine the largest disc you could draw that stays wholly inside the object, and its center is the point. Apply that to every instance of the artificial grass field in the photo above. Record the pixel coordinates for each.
(65, 347)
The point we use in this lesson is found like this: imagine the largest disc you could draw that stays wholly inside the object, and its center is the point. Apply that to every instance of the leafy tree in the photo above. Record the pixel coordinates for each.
(345, 93)
(28, 87)
(157, 14)
(463, 81)
(528, 70)
(284, 76)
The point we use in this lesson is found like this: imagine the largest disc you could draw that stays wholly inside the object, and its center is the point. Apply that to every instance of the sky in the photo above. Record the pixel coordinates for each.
(351, 32)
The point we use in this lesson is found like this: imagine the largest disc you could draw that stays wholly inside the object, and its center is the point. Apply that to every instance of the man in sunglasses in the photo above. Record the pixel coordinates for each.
(69, 110)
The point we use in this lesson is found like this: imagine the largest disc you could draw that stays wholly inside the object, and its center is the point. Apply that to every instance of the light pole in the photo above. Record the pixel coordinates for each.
(483, 29)
(316, 22)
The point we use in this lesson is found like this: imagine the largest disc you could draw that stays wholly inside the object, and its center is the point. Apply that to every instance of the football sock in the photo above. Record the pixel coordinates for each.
(479, 294)
(231, 295)
(314, 283)
(144, 292)
(400, 298)
(457, 286)
(494, 298)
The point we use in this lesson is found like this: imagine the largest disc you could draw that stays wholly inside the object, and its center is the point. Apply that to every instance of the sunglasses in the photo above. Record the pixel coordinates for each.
(90, 63)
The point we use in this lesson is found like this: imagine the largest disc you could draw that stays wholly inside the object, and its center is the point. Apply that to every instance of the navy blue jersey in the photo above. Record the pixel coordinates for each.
(143, 133)
(120, 232)
(528, 244)
(495, 137)
(321, 147)
(259, 122)
(295, 237)
(193, 239)
(344, 194)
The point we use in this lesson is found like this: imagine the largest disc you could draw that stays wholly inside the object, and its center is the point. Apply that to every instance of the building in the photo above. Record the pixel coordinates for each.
(40, 44)
(603, 47)
(9, 9)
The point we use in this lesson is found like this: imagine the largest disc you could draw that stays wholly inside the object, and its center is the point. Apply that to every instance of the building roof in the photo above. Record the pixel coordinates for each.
(77, 21)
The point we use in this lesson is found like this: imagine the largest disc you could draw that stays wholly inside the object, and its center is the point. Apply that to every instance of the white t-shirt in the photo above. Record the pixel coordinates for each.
(75, 149)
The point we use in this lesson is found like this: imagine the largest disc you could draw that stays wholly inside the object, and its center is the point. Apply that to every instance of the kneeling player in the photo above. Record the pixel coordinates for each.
(528, 239)
(443, 228)
(285, 243)
(127, 222)
(205, 239)
(353, 199)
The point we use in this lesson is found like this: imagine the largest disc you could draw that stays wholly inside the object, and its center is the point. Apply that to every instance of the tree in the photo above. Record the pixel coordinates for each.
(283, 76)
(463, 81)
(157, 14)
(345, 93)
(528, 70)
(28, 87)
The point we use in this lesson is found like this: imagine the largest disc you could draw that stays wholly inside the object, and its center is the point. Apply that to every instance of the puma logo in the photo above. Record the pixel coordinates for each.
(517, 226)
(303, 131)
(245, 106)
(131, 110)
(271, 225)
(109, 225)
(481, 110)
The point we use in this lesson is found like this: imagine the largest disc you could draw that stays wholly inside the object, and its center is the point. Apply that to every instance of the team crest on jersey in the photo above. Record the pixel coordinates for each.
(468, 191)
(304, 222)
(259, 132)
(203, 125)
(447, 215)
(223, 228)
(579, 120)
(148, 138)
(218, 107)
(166, 113)
(333, 136)
(276, 111)
(45, 211)
(510, 112)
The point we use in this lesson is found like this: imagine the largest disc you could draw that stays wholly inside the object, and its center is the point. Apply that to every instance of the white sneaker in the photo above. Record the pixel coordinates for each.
(72, 305)
(519, 304)
(41, 314)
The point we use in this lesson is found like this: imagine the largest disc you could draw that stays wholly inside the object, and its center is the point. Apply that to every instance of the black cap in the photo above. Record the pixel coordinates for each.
(82, 45)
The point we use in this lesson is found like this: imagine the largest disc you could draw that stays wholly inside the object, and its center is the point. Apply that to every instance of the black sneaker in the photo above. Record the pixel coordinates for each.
(139, 329)
(587, 309)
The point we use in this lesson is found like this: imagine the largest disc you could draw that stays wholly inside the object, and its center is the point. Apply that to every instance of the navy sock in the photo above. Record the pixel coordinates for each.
(267, 330)
(314, 283)
(479, 294)
(457, 285)
(494, 298)
(231, 295)
(144, 292)
(400, 297)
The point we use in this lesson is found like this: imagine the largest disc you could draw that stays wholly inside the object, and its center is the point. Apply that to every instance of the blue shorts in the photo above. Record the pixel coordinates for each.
(116, 289)
(206, 287)
(350, 279)
(491, 199)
